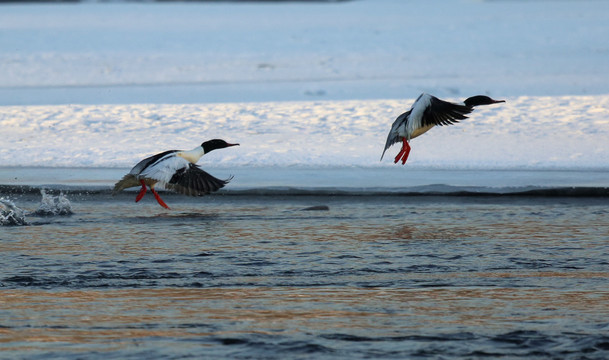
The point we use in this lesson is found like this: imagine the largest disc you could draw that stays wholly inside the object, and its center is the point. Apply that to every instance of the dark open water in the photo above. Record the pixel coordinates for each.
(255, 276)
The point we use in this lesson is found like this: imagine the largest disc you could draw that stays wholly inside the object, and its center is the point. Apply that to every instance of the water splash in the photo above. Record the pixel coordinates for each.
(53, 205)
(10, 214)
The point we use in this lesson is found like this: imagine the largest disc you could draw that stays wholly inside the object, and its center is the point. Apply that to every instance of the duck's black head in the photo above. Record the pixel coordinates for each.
(480, 100)
(215, 144)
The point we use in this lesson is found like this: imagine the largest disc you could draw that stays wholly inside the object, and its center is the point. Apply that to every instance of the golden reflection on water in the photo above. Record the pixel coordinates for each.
(117, 318)
(120, 316)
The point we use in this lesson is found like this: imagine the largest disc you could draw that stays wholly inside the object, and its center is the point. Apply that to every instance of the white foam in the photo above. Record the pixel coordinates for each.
(10, 214)
(51, 205)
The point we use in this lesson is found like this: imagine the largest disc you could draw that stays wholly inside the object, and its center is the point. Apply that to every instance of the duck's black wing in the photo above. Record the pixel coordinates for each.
(440, 112)
(193, 181)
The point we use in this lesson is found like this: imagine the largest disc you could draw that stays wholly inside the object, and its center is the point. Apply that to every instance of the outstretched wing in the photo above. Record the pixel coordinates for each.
(394, 136)
(192, 180)
(440, 112)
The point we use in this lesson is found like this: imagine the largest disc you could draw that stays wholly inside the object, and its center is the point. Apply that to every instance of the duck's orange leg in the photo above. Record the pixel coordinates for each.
(158, 198)
(403, 154)
(142, 191)
(398, 156)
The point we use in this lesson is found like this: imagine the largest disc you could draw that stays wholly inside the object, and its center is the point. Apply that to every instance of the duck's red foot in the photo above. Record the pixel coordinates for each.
(403, 154)
(142, 191)
(158, 199)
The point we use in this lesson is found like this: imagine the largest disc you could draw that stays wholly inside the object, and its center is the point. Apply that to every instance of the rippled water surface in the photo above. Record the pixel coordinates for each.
(238, 276)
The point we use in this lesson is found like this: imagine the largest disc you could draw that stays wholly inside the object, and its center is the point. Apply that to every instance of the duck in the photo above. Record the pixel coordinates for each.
(426, 112)
(175, 170)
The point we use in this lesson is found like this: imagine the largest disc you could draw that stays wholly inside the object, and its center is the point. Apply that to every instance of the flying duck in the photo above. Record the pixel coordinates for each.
(176, 170)
(427, 112)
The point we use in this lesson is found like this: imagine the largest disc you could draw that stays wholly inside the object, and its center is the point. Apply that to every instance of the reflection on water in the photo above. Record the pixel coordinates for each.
(256, 277)
(72, 316)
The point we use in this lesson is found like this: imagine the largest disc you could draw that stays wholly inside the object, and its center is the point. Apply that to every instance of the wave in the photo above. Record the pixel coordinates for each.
(61, 206)
(431, 190)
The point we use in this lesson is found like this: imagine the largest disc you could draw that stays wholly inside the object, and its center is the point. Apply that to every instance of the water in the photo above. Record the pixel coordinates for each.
(307, 276)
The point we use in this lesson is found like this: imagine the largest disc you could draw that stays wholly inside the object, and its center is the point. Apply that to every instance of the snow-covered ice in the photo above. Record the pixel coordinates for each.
(526, 132)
